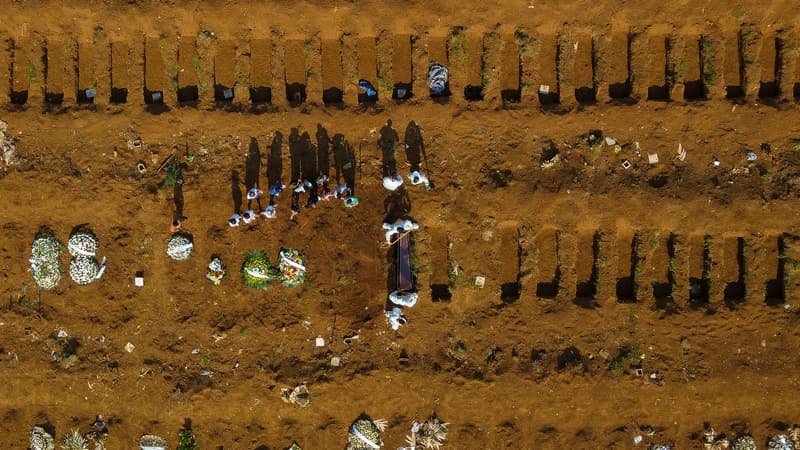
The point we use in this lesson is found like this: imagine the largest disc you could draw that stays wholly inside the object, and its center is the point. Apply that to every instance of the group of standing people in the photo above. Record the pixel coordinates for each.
(317, 190)
(310, 168)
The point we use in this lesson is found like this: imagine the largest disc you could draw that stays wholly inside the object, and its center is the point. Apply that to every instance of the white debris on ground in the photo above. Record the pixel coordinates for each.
(297, 396)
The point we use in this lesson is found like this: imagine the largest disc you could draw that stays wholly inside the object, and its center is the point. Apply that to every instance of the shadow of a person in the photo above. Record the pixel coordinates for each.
(275, 161)
(236, 191)
(252, 169)
(177, 198)
(388, 144)
(414, 146)
(323, 151)
(309, 158)
(344, 157)
(397, 205)
(295, 154)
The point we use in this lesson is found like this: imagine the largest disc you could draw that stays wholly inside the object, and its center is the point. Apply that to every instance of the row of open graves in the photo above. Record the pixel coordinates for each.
(538, 67)
(665, 269)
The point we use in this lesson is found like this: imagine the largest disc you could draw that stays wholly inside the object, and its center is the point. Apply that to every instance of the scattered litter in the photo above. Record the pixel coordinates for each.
(639, 372)
(638, 149)
(195, 351)
(61, 333)
(637, 439)
(594, 138)
(349, 339)
(89, 93)
(156, 96)
(335, 361)
(138, 280)
(610, 141)
(544, 89)
(716, 162)
(295, 446)
(320, 341)
(617, 148)
(787, 307)
(297, 396)
(681, 152)
(141, 167)
(652, 158)
(207, 373)
(480, 282)
(626, 164)
(227, 94)
(134, 144)
(551, 162)
(129, 347)
(766, 148)
(751, 155)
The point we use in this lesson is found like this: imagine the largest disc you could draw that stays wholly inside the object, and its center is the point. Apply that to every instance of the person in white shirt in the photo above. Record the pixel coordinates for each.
(392, 182)
(234, 220)
(418, 177)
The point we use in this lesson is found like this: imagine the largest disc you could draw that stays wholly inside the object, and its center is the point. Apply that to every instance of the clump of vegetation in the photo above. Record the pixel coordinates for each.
(187, 440)
(31, 71)
(707, 56)
(173, 174)
(198, 69)
(627, 353)
(458, 351)
(459, 46)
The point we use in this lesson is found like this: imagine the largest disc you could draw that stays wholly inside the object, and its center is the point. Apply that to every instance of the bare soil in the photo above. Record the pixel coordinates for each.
(708, 254)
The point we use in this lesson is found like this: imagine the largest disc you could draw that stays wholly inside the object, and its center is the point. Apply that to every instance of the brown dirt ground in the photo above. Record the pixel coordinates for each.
(731, 364)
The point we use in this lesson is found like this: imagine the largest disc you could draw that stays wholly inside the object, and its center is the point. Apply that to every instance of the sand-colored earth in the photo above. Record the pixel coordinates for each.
(604, 257)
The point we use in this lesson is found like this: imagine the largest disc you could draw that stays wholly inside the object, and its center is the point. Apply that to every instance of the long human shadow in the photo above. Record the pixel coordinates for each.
(344, 158)
(388, 143)
(308, 157)
(397, 205)
(295, 153)
(236, 191)
(275, 161)
(415, 146)
(323, 151)
(252, 169)
(177, 198)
